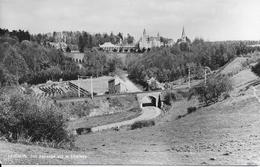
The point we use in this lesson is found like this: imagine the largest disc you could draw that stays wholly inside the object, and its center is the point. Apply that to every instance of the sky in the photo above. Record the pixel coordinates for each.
(213, 20)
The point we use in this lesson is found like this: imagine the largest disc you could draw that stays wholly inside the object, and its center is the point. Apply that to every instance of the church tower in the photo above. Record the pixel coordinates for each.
(144, 33)
(183, 35)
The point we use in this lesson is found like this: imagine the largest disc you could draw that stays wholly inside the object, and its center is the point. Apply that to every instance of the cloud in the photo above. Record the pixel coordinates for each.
(211, 19)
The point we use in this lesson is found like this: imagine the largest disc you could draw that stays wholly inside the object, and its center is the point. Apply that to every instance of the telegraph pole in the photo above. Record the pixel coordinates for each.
(189, 76)
(205, 76)
(91, 87)
(78, 87)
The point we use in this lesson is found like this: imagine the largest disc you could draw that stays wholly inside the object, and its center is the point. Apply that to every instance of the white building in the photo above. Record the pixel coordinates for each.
(148, 42)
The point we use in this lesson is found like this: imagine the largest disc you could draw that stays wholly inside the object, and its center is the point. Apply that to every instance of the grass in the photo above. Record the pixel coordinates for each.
(88, 122)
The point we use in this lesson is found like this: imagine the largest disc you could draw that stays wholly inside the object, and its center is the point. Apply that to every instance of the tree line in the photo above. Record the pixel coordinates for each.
(175, 61)
(30, 62)
(87, 40)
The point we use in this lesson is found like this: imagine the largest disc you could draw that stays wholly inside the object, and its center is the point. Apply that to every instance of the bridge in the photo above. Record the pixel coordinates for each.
(150, 99)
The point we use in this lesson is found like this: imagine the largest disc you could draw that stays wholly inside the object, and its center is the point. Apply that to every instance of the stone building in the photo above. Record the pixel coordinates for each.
(148, 42)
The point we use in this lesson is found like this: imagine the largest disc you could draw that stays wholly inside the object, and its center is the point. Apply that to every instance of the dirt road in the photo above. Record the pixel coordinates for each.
(148, 113)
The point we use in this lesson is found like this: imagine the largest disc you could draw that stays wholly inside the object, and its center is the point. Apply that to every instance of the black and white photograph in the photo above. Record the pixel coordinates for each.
(130, 82)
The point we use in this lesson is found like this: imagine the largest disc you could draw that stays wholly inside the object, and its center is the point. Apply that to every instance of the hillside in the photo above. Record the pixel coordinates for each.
(226, 133)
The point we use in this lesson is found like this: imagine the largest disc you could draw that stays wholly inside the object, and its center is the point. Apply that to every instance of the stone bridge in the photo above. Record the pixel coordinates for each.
(150, 99)
(153, 98)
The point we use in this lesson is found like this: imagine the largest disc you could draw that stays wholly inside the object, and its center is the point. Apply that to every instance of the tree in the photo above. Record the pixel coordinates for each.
(68, 49)
(130, 39)
(81, 44)
(256, 69)
(95, 62)
(5, 77)
(213, 90)
(15, 63)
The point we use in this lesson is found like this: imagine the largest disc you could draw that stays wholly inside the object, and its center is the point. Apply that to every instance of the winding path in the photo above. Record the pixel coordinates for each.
(148, 113)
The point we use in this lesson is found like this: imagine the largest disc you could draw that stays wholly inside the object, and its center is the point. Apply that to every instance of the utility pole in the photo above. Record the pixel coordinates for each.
(189, 77)
(78, 87)
(91, 87)
(205, 76)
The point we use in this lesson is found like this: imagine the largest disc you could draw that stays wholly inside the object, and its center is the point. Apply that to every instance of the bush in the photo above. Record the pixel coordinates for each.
(24, 117)
(169, 98)
(140, 124)
(256, 69)
(83, 131)
(213, 90)
(80, 109)
(191, 109)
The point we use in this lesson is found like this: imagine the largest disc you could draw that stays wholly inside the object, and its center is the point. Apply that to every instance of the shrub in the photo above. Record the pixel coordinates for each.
(191, 109)
(140, 124)
(24, 117)
(82, 131)
(256, 69)
(169, 98)
(213, 90)
(81, 109)
(78, 109)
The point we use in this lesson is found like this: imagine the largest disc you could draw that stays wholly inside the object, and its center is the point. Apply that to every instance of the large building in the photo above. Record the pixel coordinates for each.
(148, 42)
(145, 43)
(108, 46)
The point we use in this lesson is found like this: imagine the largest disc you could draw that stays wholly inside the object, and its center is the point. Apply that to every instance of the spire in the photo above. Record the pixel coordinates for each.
(183, 35)
(144, 33)
(158, 35)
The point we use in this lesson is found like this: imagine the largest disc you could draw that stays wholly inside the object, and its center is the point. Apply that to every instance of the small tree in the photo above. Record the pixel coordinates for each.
(68, 49)
(169, 97)
(256, 69)
(213, 90)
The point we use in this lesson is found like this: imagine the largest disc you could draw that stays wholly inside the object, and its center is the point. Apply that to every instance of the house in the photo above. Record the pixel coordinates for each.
(115, 86)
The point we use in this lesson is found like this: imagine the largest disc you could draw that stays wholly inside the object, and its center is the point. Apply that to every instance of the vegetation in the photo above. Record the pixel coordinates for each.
(141, 124)
(28, 61)
(256, 69)
(175, 62)
(213, 90)
(22, 117)
(169, 98)
(191, 109)
(87, 40)
(79, 109)
(20, 34)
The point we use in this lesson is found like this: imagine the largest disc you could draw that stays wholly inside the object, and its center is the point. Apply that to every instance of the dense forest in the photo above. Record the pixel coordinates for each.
(28, 61)
(171, 63)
